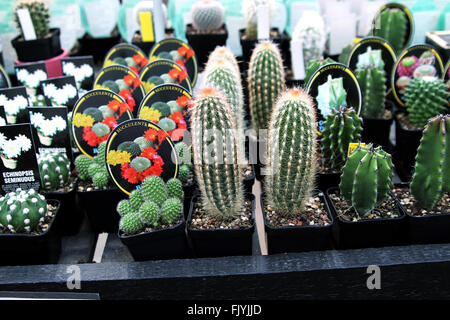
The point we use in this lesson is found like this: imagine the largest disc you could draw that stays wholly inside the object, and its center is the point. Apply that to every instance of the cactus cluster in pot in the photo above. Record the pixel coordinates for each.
(39, 13)
(153, 204)
(391, 26)
(207, 15)
(54, 169)
(249, 10)
(94, 169)
(184, 155)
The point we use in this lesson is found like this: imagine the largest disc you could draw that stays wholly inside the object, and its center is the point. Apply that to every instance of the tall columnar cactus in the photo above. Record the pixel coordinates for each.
(40, 16)
(249, 9)
(216, 154)
(425, 98)
(207, 15)
(225, 54)
(313, 66)
(342, 127)
(54, 168)
(372, 80)
(310, 30)
(21, 211)
(431, 176)
(392, 27)
(265, 82)
(366, 178)
(291, 152)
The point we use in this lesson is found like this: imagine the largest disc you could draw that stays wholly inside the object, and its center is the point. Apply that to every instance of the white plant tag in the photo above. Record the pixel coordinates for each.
(342, 33)
(102, 17)
(263, 18)
(297, 9)
(233, 41)
(158, 20)
(26, 24)
(298, 66)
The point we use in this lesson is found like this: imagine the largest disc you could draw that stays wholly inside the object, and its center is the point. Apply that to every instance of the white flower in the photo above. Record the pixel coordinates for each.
(11, 108)
(86, 71)
(21, 101)
(32, 80)
(59, 123)
(69, 68)
(49, 89)
(80, 73)
(47, 128)
(36, 119)
(10, 149)
(23, 142)
(60, 96)
(22, 75)
(3, 99)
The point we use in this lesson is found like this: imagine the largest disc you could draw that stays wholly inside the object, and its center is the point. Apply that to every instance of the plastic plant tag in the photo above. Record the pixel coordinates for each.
(353, 146)
(297, 9)
(146, 21)
(159, 20)
(263, 18)
(101, 16)
(61, 91)
(26, 24)
(233, 41)
(15, 102)
(371, 58)
(331, 95)
(298, 66)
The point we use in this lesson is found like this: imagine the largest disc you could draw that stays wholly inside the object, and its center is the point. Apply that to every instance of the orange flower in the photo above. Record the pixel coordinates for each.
(182, 51)
(150, 134)
(114, 105)
(176, 116)
(134, 69)
(182, 101)
(110, 121)
(136, 83)
(182, 76)
(124, 107)
(174, 73)
(128, 79)
(189, 53)
(125, 93)
(138, 58)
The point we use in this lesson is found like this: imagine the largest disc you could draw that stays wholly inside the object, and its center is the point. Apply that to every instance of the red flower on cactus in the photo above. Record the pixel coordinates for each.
(134, 177)
(162, 135)
(110, 122)
(114, 105)
(126, 94)
(148, 153)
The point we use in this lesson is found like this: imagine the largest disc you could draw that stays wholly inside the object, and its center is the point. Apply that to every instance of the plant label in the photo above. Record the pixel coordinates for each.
(82, 68)
(26, 24)
(164, 71)
(159, 20)
(353, 146)
(146, 22)
(263, 21)
(298, 66)
(61, 91)
(14, 101)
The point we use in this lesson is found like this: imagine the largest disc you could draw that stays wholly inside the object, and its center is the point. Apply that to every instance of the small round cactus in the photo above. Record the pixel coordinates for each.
(136, 199)
(174, 188)
(162, 107)
(143, 143)
(54, 169)
(93, 169)
(111, 85)
(207, 15)
(154, 189)
(171, 210)
(95, 113)
(149, 213)
(130, 147)
(101, 179)
(124, 207)
(167, 124)
(183, 172)
(131, 223)
(140, 164)
(82, 163)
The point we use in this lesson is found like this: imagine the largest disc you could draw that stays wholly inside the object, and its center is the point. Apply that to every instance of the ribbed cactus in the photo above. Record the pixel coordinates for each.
(216, 154)
(291, 153)
(21, 211)
(207, 15)
(310, 30)
(391, 26)
(366, 178)
(40, 16)
(372, 80)
(342, 127)
(154, 189)
(249, 9)
(431, 176)
(265, 82)
(54, 169)
(225, 54)
(425, 98)
(313, 66)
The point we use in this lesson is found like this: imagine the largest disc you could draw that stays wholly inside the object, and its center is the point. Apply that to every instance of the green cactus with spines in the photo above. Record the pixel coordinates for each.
(207, 15)
(101, 150)
(154, 189)
(183, 173)
(313, 66)
(391, 26)
(342, 127)
(21, 211)
(54, 168)
(40, 16)
(345, 53)
(131, 223)
(372, 80)
(431, 176)
(101, 179)
(95, 113)
(162, 107)
(265, 82)
(82, 163)
(136, 199)
(171, 210)
(93, 169)
(220, 180)
(366, 178)
(425, 98)
(224, 53)
(174, 188)
(291, 153)
(130, 147)
(124, 207)
(149, 213)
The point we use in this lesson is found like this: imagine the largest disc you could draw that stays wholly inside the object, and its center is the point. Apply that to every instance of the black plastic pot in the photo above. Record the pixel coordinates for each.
(97, 47)
(189, 192)
(367, 233)
(430, 228)
(70, 215)
(147, 45)
(249, 44)
(170, 243)
(100, 208)
(298, 238)
(328, 180)
(221, 242)
(377, 130)
(25, 249)
(204, 43)
(406, 145)
(39, 49)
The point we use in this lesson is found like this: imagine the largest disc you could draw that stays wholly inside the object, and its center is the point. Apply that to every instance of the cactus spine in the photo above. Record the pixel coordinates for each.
(372, 80)
(291, 152)
(342, 127)
(392, 27)
(207, 15)
(366, 178)
(39, 14)
(425, 98)
(431, 176)
(54, 169)
(265, 82)
(225, 54)
(313, 66)
(217, 172)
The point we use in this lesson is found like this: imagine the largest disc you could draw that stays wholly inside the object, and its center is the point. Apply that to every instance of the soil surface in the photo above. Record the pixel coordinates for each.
(192, 30)
(410, 205)
(405, 123)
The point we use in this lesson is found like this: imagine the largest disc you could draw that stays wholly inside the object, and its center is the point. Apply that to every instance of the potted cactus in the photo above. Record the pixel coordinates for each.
(221, 217)
(295, 217)
(27, 234)
(185, 173)
(95, 191)
(426, 200)
(47, 45)
(366, 213)
(152, 223)
(208, 29)
(392, 25)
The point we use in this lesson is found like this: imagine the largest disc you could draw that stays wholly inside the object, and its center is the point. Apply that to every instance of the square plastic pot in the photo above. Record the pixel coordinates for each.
(328, 180)
(39, 49)
(377, 130)
(249, 44)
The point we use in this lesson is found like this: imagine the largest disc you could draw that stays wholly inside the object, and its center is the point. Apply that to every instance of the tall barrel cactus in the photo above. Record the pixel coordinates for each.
(342, 127)
(249, 9)
(21, 211)
(366, 178)
(425, 98)
(431, 176)
(372, 80)
(265, 82)
(54, 168)
(313, 66)
(39, 13)
(216, 154)
(391, 26)
(207, 15)
(291, 153)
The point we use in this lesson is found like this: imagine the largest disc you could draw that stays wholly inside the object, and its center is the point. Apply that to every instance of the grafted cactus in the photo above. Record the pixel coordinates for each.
(425, 98)
(249, 9)
(392, 27)
(366, 178)
(207, 15)
(313, 66)
(265, 82)
(291, 153)
(54, 168)
(39, 13)
(342, 127)
(216, 154)
(431, 176)
(372, 80)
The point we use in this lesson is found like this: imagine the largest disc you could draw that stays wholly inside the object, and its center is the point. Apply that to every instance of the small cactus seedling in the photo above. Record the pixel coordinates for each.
(392, 27)
(54, 169)
(39, 13)
(207, 15)
(149, 213)
(131, 223)
(313, 66)
(124, 207)
(431, 176)
(366, 178)
(171, 210)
